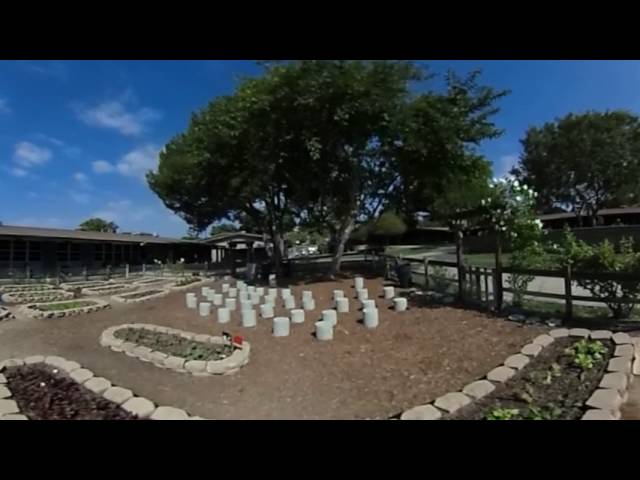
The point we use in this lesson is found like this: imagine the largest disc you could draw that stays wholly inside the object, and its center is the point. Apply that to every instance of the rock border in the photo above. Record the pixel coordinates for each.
(108, 289)
(31, 311)
(5, 314)
(25, 287)
(41, 296)
(70, 286)
(227, 366)
(150, 281)
(199, 283)
(120, 298)
(604, 403)
(137, 405)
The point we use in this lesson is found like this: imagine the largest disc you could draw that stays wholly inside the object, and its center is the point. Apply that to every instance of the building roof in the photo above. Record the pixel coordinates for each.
(59, 233)
(603, 212)
(225, 237)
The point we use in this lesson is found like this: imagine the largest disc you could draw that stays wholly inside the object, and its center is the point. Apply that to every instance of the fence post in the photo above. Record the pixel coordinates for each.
(108, 272)
(568, 300)
(478, 285)
(85, 274)
(144, 268)
(461, 266)
(57, 275)
(426, 274)
(486, 285)
(126, 270)
(27, 272)
(497, 289)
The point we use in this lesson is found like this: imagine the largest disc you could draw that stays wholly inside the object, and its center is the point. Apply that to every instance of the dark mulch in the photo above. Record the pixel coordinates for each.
(144, 293)
(42, 394)
(550, 384)
(175, 345)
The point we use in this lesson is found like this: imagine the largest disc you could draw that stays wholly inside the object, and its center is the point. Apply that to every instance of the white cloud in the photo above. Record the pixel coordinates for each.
(29, 155)
(52, 222)
(47, 138)
(49, 68)
(80, 177)
(117, 115)
(4, 105)
(138, 162)
(18, 172)
(100, 166)
(78, 197)
(504, 164)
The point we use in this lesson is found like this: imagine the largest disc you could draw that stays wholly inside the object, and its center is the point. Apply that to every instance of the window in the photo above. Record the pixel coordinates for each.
(98, 253)
(35, 251)
(74, 252)
(5, 250)
(62, 251)
(19, 251)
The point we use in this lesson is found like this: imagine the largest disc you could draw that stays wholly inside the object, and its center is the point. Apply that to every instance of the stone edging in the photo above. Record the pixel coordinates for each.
(101, 290)
(121, 299)
(5, 314)
(199, 283)
(140, 406)
(85, 284)
(604, 403)
(151, 281)
(226, 366)
(41, 296)
(32, 312)
(25, 288)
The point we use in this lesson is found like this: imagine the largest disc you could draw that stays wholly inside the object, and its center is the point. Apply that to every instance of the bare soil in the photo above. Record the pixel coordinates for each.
(410, 359)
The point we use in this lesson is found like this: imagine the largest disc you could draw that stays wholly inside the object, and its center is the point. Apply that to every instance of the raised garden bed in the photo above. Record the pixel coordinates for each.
(152, 281)
(189, 282)
(84, 284)
(567, 375)
(53, 388)
(63, 308)
(5, 314)
(37, 296)
(108, 289)
(198, 354)
(35, 287)
(140, 296)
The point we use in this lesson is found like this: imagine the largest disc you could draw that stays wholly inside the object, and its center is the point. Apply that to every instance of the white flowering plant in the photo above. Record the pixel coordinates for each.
(510, 211)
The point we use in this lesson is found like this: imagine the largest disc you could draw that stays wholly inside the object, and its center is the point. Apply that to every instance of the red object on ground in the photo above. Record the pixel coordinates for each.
(238, 341)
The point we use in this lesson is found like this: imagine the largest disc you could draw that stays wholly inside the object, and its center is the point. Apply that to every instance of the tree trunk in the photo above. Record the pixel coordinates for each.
(276, 238)
(343, 235)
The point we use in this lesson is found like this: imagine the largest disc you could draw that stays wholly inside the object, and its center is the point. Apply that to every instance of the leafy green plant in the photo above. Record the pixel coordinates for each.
(503, 414)
(549, 412)
(586, 353)
(439, 280)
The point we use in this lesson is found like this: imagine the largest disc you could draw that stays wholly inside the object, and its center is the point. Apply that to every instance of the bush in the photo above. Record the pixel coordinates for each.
(603, 258)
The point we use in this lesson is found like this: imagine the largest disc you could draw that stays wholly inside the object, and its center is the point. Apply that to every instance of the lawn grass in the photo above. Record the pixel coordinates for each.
(402, 250)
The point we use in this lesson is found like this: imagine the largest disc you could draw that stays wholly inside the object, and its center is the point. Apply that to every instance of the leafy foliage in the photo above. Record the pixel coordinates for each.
(503, 414)
(98, 225)
(602, 258)
(586, 353)
(586, 161)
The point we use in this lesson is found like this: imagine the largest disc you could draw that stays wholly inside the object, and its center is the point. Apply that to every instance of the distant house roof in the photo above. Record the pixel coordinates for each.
(58, 233)
(603, 212)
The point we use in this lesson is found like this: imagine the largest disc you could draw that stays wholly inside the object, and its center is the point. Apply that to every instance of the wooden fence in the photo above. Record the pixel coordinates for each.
(486, 285)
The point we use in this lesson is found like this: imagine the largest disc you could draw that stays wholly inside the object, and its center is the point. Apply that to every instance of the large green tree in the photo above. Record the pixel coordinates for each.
(583, 161)
(323, 145)
(98, 225)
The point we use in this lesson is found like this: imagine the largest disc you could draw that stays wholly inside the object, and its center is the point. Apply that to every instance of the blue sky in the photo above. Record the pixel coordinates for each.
(77, 136)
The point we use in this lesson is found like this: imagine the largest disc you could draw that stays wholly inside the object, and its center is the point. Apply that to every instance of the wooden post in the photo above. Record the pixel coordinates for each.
(426, 274)
(460, 263)
(568, 300)
(108, 272)
(478, 285)
(57, 274)
(498, 293)
(126, 270)
(486, 285)
(85, 274)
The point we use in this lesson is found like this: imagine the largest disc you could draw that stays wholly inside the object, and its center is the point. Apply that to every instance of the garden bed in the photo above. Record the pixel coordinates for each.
(37, 296)
(551, 387)
(4, 314)
(84, 284)
(109, 289)
(151, 281)
(140, 296)
(177, 350)
(63, 308)
(566, 375)
(189, 282)
(35, 287)
(53, 388)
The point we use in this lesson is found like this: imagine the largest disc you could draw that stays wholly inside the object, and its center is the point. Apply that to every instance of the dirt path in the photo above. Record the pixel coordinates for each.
(410, 359)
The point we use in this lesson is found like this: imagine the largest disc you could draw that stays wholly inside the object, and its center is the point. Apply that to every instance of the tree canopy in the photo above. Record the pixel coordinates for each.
(98, 225)
(586, 162)
(326, 145)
